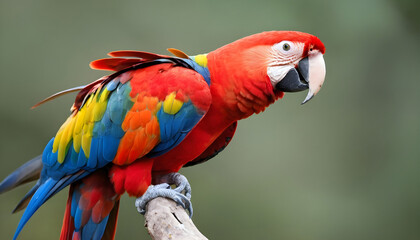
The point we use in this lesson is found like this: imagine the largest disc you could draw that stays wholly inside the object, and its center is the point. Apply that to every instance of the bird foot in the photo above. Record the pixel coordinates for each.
(181, 194)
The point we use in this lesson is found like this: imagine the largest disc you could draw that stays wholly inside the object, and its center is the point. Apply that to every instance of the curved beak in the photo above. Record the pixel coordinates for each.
(309, 73)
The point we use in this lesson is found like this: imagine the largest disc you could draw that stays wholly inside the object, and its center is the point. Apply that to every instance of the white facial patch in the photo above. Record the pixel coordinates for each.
(284, 56)
(277, 73)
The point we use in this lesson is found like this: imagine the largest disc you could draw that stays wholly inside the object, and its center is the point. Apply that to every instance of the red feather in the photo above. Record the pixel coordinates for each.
(137, 54)
(217, 146)
(97, 199)
(81, 96)
(68, 221)
(114, 64)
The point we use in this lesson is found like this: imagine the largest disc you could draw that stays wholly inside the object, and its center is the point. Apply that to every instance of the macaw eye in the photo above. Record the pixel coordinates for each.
(287, 48)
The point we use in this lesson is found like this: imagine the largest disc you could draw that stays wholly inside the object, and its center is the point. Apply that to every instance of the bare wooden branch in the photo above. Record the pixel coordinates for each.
(165, 220)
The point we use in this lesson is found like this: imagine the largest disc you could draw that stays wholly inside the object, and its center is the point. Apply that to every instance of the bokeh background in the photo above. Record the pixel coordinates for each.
(344, 166)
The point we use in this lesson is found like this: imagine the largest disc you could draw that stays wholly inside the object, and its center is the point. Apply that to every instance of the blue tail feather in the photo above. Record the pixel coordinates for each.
(25, 173)
(46, 189)
(37, 200)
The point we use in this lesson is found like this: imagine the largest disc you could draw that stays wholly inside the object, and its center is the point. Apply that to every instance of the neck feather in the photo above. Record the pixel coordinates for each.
(240, 87)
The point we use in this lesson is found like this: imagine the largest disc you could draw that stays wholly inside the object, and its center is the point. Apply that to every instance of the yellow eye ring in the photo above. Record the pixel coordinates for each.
(286, 47)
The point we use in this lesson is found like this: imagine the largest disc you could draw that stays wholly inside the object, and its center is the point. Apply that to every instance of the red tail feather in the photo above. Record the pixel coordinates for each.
(68, 221)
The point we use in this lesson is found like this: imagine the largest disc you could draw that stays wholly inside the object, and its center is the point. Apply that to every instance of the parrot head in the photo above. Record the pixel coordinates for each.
(296, 64)
(276, 62)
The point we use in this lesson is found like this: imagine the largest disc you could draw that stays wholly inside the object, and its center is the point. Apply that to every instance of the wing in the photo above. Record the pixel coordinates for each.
(216, 147)
(144, 109)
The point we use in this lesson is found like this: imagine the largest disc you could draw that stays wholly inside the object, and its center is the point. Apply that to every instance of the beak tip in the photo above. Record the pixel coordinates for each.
(308, 97)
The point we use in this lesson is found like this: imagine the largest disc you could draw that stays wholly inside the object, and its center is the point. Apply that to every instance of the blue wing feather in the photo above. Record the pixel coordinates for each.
(175, 127)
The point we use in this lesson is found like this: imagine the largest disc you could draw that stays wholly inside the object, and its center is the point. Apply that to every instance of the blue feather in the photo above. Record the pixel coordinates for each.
(82, 159)
(92, 162)
(110, 147)
(88, 229)
(24, 173)
(200, 69)
(74, 203)
(47, 189)
(37, 200)
(119, 104)
(175, 127)
(47, 159)
(73, 156)
(113, 84)
(78, 218)
(100, 229)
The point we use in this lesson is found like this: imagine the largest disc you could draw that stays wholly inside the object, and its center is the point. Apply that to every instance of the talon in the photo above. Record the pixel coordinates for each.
(164, 190)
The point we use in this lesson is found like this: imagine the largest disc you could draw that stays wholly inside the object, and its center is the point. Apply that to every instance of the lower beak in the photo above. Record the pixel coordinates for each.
(309, 73)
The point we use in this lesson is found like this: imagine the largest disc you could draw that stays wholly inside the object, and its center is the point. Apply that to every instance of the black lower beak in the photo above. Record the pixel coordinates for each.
(296, 79)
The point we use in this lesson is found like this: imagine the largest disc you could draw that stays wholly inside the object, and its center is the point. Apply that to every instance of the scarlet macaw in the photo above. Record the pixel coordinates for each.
(155, 115)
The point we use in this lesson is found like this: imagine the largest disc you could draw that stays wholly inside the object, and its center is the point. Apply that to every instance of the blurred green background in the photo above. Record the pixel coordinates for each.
(344, 166)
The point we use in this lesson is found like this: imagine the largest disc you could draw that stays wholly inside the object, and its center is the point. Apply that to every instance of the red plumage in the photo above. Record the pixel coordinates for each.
(160, 85)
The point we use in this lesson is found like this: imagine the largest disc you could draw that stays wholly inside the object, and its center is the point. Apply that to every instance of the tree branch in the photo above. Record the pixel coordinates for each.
(165, 220)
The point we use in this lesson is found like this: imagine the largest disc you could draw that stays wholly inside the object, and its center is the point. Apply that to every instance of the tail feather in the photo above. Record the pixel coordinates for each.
(68, 221)
(39, 197)
(25, 200)
(28, 172)
(111, 226)
(44, 191)
(92, 209)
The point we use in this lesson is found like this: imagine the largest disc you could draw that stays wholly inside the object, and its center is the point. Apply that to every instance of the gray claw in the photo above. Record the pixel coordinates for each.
(182, 184)
(164, 190)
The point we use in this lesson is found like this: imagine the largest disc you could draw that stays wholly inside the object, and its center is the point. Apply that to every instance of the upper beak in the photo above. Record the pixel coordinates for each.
(309, 73)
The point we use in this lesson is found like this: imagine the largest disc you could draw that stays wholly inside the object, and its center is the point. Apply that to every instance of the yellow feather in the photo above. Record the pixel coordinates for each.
(77, 141)
(88, 113)
(57, 141)
(79, 127)
(104, 96)
(89, 100)
(98, 111)
(87, 138)
(201, 60)
(65, 140)
(101, 105)
(59, 134)
(79, 121)
(77, 132)
(172, 105)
